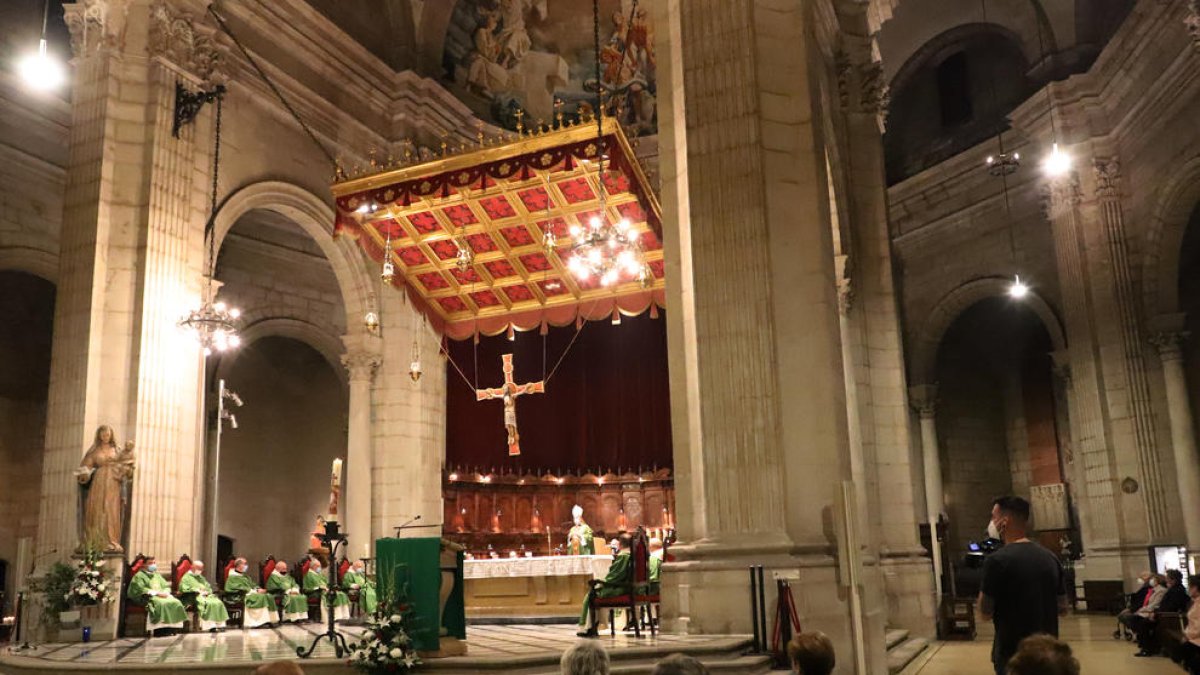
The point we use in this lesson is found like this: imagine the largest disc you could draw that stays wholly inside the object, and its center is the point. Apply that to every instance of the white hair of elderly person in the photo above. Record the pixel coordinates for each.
(584, 658)
(679, 664)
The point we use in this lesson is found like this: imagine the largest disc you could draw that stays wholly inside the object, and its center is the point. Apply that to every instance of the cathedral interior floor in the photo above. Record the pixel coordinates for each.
(1090, 637)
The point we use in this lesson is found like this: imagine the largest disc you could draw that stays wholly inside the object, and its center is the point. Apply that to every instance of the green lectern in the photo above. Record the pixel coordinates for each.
(415, 568)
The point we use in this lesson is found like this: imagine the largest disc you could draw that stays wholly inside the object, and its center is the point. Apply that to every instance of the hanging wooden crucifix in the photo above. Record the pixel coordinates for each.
(508, 393)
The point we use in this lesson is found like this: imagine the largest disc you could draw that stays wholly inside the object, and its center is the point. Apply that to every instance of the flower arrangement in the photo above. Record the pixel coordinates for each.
(91, 584)
(385, 647)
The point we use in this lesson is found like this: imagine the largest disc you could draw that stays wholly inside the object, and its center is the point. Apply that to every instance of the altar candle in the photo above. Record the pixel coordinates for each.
(335, 489)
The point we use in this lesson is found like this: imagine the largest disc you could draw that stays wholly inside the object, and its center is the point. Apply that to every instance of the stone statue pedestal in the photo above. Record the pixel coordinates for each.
(101, 618)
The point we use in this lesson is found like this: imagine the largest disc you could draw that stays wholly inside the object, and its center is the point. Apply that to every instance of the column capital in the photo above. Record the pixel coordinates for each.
(1107, 172)
(862, 85)
(1061, 364)
(1061, 194)
(923, 399)
(361, 364)
(93, 25)
(1191, 20)
(188, 44)
(1167, 335)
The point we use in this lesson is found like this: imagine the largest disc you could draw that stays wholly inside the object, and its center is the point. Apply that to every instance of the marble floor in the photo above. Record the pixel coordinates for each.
(1090, 638)
(491, 643)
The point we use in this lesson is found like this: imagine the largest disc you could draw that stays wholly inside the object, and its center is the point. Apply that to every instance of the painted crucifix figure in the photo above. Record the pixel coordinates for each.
(508, 393)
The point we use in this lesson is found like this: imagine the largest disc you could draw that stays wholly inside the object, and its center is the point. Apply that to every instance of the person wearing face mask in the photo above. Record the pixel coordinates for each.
(258, 605)
(1142, 584)
(1174, 599)
(1139, 621)
(163, 610)
(356, 579)
(1190, 651)
(316, 583)
(1023, 590)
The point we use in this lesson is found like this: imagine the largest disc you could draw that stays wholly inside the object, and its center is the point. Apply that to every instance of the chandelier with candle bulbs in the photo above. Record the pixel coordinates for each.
(213, 324)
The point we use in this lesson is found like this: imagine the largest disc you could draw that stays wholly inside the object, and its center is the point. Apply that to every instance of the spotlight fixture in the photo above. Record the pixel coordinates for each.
(1018, 289)
(1057, 163)
(41, 71)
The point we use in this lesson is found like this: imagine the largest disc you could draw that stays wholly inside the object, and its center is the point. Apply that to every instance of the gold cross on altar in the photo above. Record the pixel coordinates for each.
(509, 393)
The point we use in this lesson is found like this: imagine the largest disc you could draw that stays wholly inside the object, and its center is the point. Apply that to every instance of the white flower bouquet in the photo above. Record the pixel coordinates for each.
(91, 583)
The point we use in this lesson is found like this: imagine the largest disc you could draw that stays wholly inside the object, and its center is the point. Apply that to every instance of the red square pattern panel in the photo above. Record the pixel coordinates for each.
(590, 283)
(552, 287)
(576, 190)
(534, 199)
(424, 222)
(650, 241)
(470, 276)
(557, 225)
(656, 266)
(460, 215)
(615, 182)
(412, 256)
(433, 281)
(500, 269)
(453, 304)
(485, 298)
(585, 218)
(518, 293)
(497, 207)
(389, 227)
(481, 243)
(516, 236)
(633, 211)
(535, 262)
(444, 249)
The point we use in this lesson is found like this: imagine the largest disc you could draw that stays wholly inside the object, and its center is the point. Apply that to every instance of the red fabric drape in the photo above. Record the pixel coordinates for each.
(607, 406)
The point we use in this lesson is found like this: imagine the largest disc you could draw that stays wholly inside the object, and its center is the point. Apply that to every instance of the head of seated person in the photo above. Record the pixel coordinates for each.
(625, 541)
(1174, 578)
(584, 658)
(679, 664)
(811, 653)
(1043, 655)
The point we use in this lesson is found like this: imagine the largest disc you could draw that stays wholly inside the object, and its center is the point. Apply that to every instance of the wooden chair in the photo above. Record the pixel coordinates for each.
(1168, 633)
(178, 569)
(234, 602)
(131, 608)
(636, 578)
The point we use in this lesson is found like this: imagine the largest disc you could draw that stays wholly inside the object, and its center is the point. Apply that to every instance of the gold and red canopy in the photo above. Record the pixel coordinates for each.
(500, 200)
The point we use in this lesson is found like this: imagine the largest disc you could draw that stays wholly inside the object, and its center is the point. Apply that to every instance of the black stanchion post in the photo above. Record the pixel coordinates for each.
(754, 609)
(784, 617)
(762, 608)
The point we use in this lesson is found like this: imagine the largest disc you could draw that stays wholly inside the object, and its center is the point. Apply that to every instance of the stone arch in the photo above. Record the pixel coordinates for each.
(35, 261)
(1179, 198)
(326, 343)
(954, 303)
(315, 217)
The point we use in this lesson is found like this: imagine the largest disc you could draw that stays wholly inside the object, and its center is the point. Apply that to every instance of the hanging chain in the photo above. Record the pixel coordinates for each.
(212, 213)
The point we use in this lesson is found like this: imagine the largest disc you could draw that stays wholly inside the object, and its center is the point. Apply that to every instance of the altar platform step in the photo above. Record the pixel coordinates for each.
(520, 649)
(901, 649)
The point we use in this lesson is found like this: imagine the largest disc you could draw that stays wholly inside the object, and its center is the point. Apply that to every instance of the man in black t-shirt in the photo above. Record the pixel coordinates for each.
(1022, 590)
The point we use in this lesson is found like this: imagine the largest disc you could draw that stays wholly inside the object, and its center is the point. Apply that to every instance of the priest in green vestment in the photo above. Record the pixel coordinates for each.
(163, 610)
(295, 605)
(315, 581)
(258, 606)
(579, 538)
(656, 561)
(196, 591)
(356, 579)
(612, 587)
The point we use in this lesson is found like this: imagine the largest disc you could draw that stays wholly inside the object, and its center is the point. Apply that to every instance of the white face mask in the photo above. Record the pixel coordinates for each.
(993, 531)
(1153, 583)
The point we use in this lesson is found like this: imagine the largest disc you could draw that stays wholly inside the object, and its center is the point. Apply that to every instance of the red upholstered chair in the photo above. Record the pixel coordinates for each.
(264, 573)
(233, 601)
(131, 608)
(351, 593)
(178, 569)
(637, 577)
(314, 598)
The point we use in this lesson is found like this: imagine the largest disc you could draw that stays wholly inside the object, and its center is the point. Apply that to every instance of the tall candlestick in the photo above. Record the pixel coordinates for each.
(335, 489)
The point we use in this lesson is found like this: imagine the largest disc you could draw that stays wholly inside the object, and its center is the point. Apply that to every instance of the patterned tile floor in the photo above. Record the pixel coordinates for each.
(244, 646)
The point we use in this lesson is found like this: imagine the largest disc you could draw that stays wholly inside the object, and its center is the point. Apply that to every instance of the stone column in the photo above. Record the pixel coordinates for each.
(1183, 434)
(130, 259)
(1101, 526)
(361, 361)
(766, 440)
(924, 400)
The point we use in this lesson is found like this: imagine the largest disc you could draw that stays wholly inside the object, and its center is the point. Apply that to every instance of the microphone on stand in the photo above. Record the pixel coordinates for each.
(406, 524)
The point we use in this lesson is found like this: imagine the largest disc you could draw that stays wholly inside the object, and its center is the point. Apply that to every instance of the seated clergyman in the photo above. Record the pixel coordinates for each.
(656, 561)
(163, 610)
(196, 590)
(611, 588)
(258, 605)
(295, 605)
(315, 581)
(356, 579)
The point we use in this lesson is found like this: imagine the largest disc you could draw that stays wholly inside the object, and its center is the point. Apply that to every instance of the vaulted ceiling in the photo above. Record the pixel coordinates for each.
(384, 27)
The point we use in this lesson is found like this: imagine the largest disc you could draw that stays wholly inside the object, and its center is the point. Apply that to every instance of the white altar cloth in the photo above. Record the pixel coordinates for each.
(594, 566)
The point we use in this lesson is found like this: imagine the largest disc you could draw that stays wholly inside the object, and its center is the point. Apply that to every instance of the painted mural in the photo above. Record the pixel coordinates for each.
(502, 56)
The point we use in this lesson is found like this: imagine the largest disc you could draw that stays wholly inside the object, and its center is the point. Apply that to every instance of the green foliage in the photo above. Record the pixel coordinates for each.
(54, 591)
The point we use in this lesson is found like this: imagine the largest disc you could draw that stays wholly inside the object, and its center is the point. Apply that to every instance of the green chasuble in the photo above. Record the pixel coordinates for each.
(656, 562)
(240, 583)
(196, 589)
(616, 575)
(292, 603)
(167, 610)
(367, 599)
(314, 581)
(586, 546)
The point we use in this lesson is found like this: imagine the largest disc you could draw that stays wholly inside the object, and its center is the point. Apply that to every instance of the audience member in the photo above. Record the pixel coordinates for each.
(1043, 655)
(1022, 590)
(679, 664)
(584, 658)
(811, 653)
(1189, 652)
(1140, 616)
(1142, 589)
